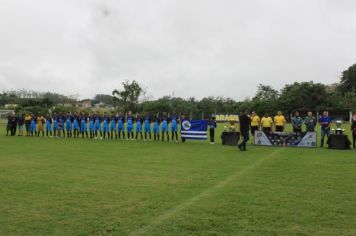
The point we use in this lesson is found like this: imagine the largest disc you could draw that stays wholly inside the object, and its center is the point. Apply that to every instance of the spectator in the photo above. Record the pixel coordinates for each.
(297, 123)
(310, 122)
(20, 124)
(13, 124)
(325, 124)
(353, 129)
(212, 127)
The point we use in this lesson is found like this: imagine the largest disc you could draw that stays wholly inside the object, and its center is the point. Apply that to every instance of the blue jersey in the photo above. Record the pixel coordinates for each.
(130, 121)
(325, 119)
(76, 122)
(120, 121)
(174, 123)
(48, 123)
(113, 122)
(68, 123)
(91, 123)
(138, 124)
(106, 121)
(156, 125)
(147, 124)
(164, 124)
(83, 123)
(97, 123)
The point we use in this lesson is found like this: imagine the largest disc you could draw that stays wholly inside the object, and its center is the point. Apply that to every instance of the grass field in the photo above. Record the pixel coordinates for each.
(87, 187)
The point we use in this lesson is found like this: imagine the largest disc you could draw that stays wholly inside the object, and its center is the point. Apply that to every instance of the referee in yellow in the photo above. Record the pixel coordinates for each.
(266, 123)
(279, 122)
(255, 124)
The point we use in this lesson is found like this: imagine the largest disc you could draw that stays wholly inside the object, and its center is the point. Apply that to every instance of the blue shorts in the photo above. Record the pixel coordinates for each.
(147, 128)
(48, 127)
(33, 127)
(129, 129)
(106, 128)
(55, 125)
(120, 127)
(75, 125)
(112, 126)
(97, 126)
(156, 128)
(138, 128)
(174, 128)
(91, 126)
(68, 126)
(83, 127)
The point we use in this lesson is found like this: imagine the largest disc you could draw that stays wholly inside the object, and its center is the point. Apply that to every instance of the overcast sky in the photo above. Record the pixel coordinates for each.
(189, 47)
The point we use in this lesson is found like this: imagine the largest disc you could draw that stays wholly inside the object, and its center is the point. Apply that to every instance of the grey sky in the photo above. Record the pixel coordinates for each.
(194, 48)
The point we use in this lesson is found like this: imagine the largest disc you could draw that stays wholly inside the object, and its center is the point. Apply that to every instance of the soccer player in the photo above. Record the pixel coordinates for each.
(147, 126)
(91, 125)
(266, 123)
(97, 125)
(156, 124)
(83, 125)
(113, 122)
(75, 121)
(120, 125)
(55, 124)
(40, 123)
(174, 126)
(255, 124)
(279, 122)
(106, 121)
(130, 121)
(212, 127)
(68, 120)
(33, 125)
(139, 125)
(297, 122)
(164, 129)
(61, 128)
(325, 124)
(48, 125)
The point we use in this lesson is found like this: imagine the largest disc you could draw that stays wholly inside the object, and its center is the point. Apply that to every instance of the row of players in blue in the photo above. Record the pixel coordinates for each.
(107, 126)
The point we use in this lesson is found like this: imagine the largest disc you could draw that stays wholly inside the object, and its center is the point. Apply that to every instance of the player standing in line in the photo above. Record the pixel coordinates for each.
(83, 125)
(106, 121)
(113, 123)
(97, 125)
(48, 125)
(69, 124)
(139, 126)
(120, 125)
(28, 124)
(33, 125)
(91, 125)
(76, 125)
(156, 130)
(165, 122)
(147, 126)
(174, 126)
(130, 121)
(55, 124)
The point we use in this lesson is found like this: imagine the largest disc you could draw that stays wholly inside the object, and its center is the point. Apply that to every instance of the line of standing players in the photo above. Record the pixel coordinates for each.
(105, 126)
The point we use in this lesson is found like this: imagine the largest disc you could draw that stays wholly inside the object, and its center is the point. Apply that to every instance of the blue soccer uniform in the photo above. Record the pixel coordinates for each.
(147, 126)
(139, 126)
(165, 121)
(156, 130)
(113, 123)
(120, 125)
(33, 126)
(76, 121)
(91, 125)
(69, 125)
(48, 126)
(97, 125)
(83, 125)
(174, 127)
(106, 121)
(130, 121)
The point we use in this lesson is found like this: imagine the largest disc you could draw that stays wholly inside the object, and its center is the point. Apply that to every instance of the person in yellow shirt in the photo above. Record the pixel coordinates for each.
(40, 122)
(27, 123)
(255, 124)
(266, 123)
(279, 122)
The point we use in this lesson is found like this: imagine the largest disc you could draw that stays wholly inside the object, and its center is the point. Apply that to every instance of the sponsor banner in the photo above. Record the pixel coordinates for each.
(285, 139)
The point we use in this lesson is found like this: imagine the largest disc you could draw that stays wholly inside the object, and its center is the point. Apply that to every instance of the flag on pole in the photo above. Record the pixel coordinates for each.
(194, 129)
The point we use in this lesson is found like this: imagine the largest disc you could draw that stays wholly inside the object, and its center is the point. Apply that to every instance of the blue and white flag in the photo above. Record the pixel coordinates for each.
(194, 129)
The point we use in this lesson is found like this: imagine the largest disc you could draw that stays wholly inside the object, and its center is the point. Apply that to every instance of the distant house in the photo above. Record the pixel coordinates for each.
(84, 104)
(10, 106)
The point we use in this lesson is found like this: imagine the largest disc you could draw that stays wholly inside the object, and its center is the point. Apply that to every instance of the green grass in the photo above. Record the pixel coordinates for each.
(87, 187)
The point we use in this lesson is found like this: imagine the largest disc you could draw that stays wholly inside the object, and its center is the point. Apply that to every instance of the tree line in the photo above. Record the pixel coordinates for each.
(301, 96)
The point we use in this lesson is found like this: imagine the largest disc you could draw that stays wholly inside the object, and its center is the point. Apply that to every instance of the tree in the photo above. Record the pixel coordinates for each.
(265, 92)
(128, 97)
(348, 80)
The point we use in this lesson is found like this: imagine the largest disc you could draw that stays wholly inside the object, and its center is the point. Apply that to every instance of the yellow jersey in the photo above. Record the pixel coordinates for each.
(28, 117)
(266, 122)
(279, 120)
(255, 120)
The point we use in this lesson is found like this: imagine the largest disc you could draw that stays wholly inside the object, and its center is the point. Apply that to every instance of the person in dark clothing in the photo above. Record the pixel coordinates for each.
(13, 124)
(353, 129)
(212, 127)
(244, 129)
(20, 124)
(8, 125)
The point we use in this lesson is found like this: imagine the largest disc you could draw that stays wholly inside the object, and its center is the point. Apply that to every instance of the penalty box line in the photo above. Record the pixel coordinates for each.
(161, 218)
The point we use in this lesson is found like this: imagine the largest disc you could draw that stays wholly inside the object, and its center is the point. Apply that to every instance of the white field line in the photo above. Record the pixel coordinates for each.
(166, 215)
